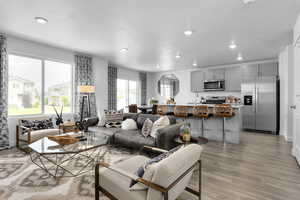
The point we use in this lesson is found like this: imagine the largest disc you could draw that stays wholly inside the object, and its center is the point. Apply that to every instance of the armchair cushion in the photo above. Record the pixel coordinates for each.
(146, 171)
(117, 184)
(173, 167)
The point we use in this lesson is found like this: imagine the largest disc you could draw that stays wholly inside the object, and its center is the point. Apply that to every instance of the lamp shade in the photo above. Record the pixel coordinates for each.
(86, 89)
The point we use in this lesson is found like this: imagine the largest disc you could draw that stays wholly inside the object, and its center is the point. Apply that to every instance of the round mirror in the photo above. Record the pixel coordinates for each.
(168, 85)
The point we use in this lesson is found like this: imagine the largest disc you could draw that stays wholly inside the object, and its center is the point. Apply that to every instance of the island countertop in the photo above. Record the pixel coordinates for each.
(213, 124)
(237, 106)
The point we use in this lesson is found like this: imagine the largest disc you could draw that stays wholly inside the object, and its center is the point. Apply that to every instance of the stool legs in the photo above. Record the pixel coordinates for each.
(224, 134)
(202, 126)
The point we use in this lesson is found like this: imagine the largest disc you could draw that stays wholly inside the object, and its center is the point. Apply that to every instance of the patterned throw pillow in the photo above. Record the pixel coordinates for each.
(37, 124)
(113, 119)
(147, 127)
(146, 171)
(160, 123)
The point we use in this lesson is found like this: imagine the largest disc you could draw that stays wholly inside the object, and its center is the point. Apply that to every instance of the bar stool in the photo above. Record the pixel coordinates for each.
(162, 109)
(181, 111)
(132, 108)
(225, 111)
(202, 112)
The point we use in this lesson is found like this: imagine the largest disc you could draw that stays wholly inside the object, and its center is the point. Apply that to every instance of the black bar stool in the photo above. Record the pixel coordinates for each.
(225, 111)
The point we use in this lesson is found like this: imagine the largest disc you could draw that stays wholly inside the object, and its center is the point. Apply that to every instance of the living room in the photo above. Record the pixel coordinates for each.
(204, 104)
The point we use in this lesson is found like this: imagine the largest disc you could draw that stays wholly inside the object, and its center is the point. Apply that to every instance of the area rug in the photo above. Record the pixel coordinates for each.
(20, 179)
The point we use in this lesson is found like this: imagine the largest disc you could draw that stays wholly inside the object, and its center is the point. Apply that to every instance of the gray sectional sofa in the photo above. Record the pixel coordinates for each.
(134, 138)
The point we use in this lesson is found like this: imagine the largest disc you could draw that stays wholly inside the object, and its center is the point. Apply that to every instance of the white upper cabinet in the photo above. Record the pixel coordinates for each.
(197, 80)
(214, 74)
(268, 69)
(233, 79)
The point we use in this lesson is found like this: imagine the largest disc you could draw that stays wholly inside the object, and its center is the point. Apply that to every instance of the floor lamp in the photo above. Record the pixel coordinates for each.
(86, 90)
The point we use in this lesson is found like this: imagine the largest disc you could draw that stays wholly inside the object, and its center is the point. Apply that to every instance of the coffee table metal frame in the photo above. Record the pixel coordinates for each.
(55, 163)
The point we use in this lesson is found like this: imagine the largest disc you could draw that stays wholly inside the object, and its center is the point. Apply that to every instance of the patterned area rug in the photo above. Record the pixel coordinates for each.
(20, 179)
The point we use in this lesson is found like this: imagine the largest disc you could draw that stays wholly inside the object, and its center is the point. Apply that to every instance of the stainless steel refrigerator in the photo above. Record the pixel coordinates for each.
(260, 99)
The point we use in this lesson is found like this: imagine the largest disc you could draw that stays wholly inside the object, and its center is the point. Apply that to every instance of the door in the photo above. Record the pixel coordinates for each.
(296, 107)
(266, 104)
(248, 98)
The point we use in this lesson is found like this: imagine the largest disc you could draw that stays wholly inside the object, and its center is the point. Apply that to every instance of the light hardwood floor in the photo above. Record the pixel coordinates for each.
(260, 168)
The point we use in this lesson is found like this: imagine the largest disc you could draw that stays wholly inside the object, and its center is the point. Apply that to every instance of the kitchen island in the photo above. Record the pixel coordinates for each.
(213, 125)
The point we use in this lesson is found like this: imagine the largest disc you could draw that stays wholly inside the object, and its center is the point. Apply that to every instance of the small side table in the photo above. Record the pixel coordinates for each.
(68, 127)
(196, 140)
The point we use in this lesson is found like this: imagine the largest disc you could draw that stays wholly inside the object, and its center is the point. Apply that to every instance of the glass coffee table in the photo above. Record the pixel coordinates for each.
(70, 160)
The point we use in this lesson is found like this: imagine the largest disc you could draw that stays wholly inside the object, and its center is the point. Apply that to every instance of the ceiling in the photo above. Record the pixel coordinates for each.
(152, 30)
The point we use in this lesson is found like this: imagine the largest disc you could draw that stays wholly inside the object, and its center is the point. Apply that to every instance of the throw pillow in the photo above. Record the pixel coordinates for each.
(147, 127)
(160, 123)
(113, 119)
(37, 124)
(147, 170)
(129, 124)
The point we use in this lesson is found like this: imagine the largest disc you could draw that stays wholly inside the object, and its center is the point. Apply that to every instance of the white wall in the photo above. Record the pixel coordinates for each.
(286, 75)
(28, 48)
(185, 95)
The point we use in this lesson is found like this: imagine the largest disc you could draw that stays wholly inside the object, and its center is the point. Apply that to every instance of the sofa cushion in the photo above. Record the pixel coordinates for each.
(160, 123)
(38, 134)
(147, 127)
(142, 117)
(103, 130)
(129, 124)
(113, 119)
(133, 116)
(132, 139)
(117, 184)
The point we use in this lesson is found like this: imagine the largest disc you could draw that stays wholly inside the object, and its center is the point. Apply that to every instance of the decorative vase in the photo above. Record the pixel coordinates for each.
(185, 132)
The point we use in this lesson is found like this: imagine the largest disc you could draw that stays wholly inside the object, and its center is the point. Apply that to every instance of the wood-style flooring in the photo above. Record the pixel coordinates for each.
(260, 168)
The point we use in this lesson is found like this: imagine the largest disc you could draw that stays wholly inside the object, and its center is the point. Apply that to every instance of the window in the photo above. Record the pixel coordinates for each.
(57, 86)
(127, 93)
(35, 85)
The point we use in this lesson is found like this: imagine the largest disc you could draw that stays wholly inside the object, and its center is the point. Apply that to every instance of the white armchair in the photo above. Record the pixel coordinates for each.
(169, 181)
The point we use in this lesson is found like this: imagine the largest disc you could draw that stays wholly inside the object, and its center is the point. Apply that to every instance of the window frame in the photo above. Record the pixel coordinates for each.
(138, 90)
(43, 59)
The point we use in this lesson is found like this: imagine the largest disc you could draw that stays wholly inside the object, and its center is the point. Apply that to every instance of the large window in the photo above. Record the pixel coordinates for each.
(36, 85)
(127, 93)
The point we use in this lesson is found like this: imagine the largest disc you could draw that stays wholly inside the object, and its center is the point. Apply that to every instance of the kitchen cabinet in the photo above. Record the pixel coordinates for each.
(197, 80)
(268, 69)
(233, 79)
(214, 74)
(249, 72)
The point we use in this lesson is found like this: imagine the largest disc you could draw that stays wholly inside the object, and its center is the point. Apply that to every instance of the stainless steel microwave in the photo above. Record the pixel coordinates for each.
(214, 85)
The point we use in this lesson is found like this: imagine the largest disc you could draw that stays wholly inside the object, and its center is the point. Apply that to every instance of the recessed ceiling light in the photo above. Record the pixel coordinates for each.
(248, 1)
(178, 55)
(240, 57)
(41, 20)
(188, 32)
(232, 45)
(124, 50)
(195, 63)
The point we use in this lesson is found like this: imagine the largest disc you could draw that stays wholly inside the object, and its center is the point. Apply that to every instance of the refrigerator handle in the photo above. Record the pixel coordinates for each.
(256, 99)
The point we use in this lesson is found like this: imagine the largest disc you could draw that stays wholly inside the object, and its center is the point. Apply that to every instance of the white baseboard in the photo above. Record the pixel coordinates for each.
(288, 139)
(296, 153)
(285, 135)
